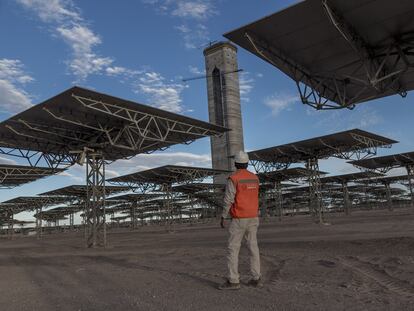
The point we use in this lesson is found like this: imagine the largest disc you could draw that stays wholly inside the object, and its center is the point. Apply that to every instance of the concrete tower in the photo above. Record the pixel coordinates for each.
(224, 104)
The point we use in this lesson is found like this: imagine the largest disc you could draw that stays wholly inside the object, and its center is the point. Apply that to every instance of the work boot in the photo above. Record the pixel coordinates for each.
(229, 285)
(255, 283)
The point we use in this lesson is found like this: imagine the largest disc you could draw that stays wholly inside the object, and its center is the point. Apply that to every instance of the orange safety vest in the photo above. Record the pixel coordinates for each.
(246, 201)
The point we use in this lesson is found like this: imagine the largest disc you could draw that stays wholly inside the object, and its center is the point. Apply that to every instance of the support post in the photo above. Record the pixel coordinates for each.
(410, 172)
(315, 189)
(278, 192)
(39, 222)
(388, 194)
(347, 203)
(10, 230)
(133, 215)
(72, 221)
(95, 202)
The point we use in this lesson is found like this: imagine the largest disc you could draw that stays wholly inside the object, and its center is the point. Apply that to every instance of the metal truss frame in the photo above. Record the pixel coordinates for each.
(95, 228)
(266, 167)
(10, 225)
(13, 176)
(383, 67)
(33, 203)
(369, 149)
(144, 132)
(37, 158)
(410, 173)
(315, 197)
(388, 195)
(183, 175)
(278, 198)
(386, 168)
(347, 202)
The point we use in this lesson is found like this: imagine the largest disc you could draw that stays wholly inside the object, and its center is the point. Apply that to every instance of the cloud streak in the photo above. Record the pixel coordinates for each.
(68, 25)
(246, 83)
(364, 118)
(192, 14)
(13, 98)
(141, 162)
(162, 94)
(280, 102)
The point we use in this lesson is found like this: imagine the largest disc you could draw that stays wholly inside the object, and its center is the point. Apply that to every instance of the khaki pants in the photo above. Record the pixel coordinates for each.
(243, 228)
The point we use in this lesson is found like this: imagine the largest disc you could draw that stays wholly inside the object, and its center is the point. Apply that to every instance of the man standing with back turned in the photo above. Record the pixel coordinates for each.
(241, 199)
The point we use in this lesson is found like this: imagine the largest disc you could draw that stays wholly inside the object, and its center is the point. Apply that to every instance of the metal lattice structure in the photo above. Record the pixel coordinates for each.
(163, 178)
(344, 145)
(296, 174)
(153, 179)
(94, 217)
(32, 203)
(339, 53)
(15, 175)
(81, 125)
(133, 201)
(386, 163)
(344, 179)
(208, 195)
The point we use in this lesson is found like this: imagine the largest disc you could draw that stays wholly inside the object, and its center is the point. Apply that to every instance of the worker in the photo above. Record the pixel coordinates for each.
(241, 200)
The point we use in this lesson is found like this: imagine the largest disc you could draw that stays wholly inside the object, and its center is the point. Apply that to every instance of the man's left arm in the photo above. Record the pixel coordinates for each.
(229, 196)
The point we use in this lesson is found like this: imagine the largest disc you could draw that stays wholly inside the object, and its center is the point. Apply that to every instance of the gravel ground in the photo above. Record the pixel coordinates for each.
(360, 262)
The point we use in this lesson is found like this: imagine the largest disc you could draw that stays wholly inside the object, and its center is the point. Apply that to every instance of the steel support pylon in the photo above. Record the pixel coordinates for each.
(95, 200)
(10, 226)
(72, 221)
(388, 195)
(410, 172)
(168, 212)
(278, 199)
(315, 196)
(347, 202)
(39, 222)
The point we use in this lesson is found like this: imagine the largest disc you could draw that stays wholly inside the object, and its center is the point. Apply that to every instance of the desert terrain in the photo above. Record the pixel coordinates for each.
(364, 261)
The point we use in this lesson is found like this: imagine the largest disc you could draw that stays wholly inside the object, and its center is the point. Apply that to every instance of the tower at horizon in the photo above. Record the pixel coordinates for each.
(223, 92)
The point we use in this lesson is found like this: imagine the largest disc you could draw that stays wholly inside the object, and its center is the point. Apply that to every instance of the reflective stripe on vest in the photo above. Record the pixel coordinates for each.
(246, 201)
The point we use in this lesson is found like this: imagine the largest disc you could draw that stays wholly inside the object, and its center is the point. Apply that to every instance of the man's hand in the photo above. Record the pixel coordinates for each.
(222, 223)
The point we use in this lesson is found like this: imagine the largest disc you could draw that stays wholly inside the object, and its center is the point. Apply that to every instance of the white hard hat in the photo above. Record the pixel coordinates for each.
(241, 157)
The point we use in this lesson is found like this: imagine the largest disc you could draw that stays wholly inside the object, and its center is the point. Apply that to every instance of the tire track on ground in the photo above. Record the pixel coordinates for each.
(380, 276)
(272, 275)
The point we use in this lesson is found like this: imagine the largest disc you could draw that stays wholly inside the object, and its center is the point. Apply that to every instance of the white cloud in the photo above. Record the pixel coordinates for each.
(193, 15)
(75, 173)
(12, 78)
(7, 161)
(279, 102)
(361, 117)
(194, 37)
(81, 39)
(246, 85)
(69, 25)
(196, 71)
(193, 9)
(335, 166)
(147, 161)
(53, 10)
(190, 9)
(12, 70)
(121, 71)
(162, 94)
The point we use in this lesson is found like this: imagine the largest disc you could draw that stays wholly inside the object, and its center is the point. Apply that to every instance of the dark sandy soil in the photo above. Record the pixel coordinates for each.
(360, 262)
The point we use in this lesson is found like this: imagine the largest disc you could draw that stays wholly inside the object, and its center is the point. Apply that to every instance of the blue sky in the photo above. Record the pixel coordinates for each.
(141, 50)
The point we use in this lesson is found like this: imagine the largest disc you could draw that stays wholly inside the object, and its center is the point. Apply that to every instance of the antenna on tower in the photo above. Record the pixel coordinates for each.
(209, 76)
(207, 45)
